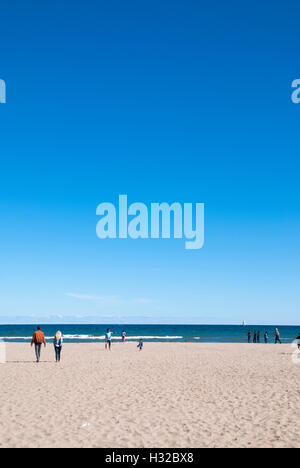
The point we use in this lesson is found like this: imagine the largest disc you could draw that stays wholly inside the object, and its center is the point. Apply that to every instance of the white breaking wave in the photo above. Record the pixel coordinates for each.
(94, 338)
(16, 338)
(116, 337)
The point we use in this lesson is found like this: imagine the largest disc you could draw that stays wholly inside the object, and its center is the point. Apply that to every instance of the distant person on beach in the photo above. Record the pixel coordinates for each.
(123, 336)
(266, 337)
(37, 340)
(255, 337)
(58, 342)
(249, 336)
(298, 341)
(258, 337)
(108, 338)
(140, 345)
(277, 336)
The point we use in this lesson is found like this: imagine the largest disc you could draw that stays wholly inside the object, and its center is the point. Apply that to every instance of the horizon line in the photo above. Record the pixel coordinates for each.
(151, 324)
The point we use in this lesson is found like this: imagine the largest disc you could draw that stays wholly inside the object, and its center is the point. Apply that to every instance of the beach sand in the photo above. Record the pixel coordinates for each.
(168, 395)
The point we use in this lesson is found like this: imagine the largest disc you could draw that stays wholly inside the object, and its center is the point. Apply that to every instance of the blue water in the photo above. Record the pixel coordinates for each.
(155, 333)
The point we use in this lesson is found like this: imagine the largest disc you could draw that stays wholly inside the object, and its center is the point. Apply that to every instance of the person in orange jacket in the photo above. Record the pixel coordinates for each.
(37, 340)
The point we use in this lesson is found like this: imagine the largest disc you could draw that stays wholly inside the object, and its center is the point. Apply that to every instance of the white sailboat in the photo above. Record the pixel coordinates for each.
(244, 323)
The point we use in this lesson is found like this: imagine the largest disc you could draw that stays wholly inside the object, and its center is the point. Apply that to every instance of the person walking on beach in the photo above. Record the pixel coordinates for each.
(258, 337)
(123, 336)
(37, 340)
(277, 336)
(266, 337)
(140, 344)
(58, 342)
(255, 337)
(108, 338)
(249, 336)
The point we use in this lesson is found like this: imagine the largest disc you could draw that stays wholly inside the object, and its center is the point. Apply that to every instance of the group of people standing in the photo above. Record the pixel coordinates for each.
(108, 339)
(256, 337)
(38, 340)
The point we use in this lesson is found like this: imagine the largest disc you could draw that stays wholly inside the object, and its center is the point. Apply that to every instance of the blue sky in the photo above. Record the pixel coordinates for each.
(163, 101)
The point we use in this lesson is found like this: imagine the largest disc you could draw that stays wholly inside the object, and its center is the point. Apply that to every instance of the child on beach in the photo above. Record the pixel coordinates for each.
(298, 341)
(123, 336)
(140, 344)
(266, 336)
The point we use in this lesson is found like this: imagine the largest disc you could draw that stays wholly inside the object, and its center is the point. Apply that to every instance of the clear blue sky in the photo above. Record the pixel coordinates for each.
(183, 101)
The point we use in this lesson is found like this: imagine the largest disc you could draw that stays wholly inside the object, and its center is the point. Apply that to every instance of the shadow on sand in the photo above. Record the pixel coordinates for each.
(29, 362)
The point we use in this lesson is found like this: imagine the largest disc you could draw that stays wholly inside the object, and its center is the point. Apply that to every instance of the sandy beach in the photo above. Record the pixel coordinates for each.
(168, 395)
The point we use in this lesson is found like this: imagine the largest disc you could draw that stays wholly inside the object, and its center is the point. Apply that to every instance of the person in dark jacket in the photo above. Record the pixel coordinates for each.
(140, 345)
